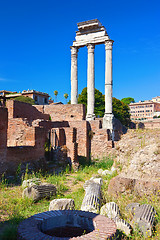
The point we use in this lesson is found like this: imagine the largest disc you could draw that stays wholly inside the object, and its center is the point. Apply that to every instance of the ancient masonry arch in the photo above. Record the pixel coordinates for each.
(91, 33)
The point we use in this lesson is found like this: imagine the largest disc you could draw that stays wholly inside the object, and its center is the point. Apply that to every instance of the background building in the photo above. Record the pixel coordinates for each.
(40, 98)
(145, 110)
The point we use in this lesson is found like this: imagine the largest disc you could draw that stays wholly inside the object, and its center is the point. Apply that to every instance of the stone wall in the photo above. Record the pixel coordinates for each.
(63, 112)
(18, 109)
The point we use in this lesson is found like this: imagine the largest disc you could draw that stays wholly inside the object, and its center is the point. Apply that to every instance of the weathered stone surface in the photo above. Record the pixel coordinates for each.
(130, 208)
(92, 198)
(31, 182)
(123, 226)
(144, 218)
(62, 204)
(100, 171)
(92, 180)
(110, 210)
(120, 184)
(106, 172)
(97, 180)
(139, 154)
(37, 192)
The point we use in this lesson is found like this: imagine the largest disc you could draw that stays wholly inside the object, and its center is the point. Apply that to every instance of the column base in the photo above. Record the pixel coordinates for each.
(108, 121)
(90, 117)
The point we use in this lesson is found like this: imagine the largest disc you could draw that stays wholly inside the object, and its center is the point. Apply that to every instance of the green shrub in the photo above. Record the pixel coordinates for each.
(24, 99)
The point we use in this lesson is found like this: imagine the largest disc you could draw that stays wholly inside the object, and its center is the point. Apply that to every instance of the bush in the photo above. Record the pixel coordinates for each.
(24, 99)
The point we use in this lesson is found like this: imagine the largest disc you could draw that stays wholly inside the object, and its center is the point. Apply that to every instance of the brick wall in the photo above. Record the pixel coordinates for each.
(18, 109)
(82, 137)
(100, 145)
(3, 134)
(20, 133)
(92, 140)
(66, 136)
(155, 123)
(72, 145)
(3, 127)
(64, 112)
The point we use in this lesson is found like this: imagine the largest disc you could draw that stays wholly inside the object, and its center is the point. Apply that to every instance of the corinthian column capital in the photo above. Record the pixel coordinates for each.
(91, 48)
(108, 44)
(74, 50)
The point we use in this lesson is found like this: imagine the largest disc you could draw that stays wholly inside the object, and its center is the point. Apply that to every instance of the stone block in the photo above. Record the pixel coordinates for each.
(92, 198)
(110, 210)
(123, 226)
(62, 204)
(37, 192)
(31, 182)
(131, 208)
(144, 218)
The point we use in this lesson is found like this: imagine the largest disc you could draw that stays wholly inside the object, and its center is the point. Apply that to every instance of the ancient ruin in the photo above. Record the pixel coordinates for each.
(91, 33)
(67, 224)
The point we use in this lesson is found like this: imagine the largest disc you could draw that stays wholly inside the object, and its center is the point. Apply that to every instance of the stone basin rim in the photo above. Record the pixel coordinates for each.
(31, 228)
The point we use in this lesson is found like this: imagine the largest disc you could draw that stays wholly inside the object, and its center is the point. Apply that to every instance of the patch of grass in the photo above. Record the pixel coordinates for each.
(105, 163)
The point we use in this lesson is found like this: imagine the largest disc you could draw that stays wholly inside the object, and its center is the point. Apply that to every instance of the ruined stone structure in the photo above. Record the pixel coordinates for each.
(27, 127)
(24, 130)
(91, 33)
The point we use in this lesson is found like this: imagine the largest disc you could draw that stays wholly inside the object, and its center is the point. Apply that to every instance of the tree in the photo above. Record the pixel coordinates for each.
(55, 93)
(120, 109)
(24, 99)
(99, 101)
(66, 96)
(128, 100)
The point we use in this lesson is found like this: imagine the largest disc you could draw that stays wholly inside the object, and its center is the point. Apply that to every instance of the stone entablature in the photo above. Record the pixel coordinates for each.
(90, 31)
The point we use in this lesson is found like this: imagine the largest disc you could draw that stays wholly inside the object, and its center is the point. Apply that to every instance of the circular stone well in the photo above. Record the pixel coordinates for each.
(66, 224)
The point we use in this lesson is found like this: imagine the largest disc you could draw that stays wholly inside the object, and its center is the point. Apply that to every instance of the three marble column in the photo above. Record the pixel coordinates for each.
(91, 82)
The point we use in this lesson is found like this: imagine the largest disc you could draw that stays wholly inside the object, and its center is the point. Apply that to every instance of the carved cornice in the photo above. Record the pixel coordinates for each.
(108, 44)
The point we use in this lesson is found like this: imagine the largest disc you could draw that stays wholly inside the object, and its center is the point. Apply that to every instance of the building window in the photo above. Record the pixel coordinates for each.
(35, 98)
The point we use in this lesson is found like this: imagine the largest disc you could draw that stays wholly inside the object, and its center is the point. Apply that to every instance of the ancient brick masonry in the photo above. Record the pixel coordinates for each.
(22, 142)
(3, 133)
(18, 109)
(37, 226)
(97, 145)
(28, 128)
(61, 112)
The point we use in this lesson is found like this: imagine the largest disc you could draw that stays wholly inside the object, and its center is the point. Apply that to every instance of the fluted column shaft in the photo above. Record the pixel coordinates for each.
(90, 83)
(74, 78)
(108, 77)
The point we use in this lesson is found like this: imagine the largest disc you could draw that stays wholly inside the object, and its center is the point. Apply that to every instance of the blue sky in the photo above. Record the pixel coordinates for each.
(36, 35)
